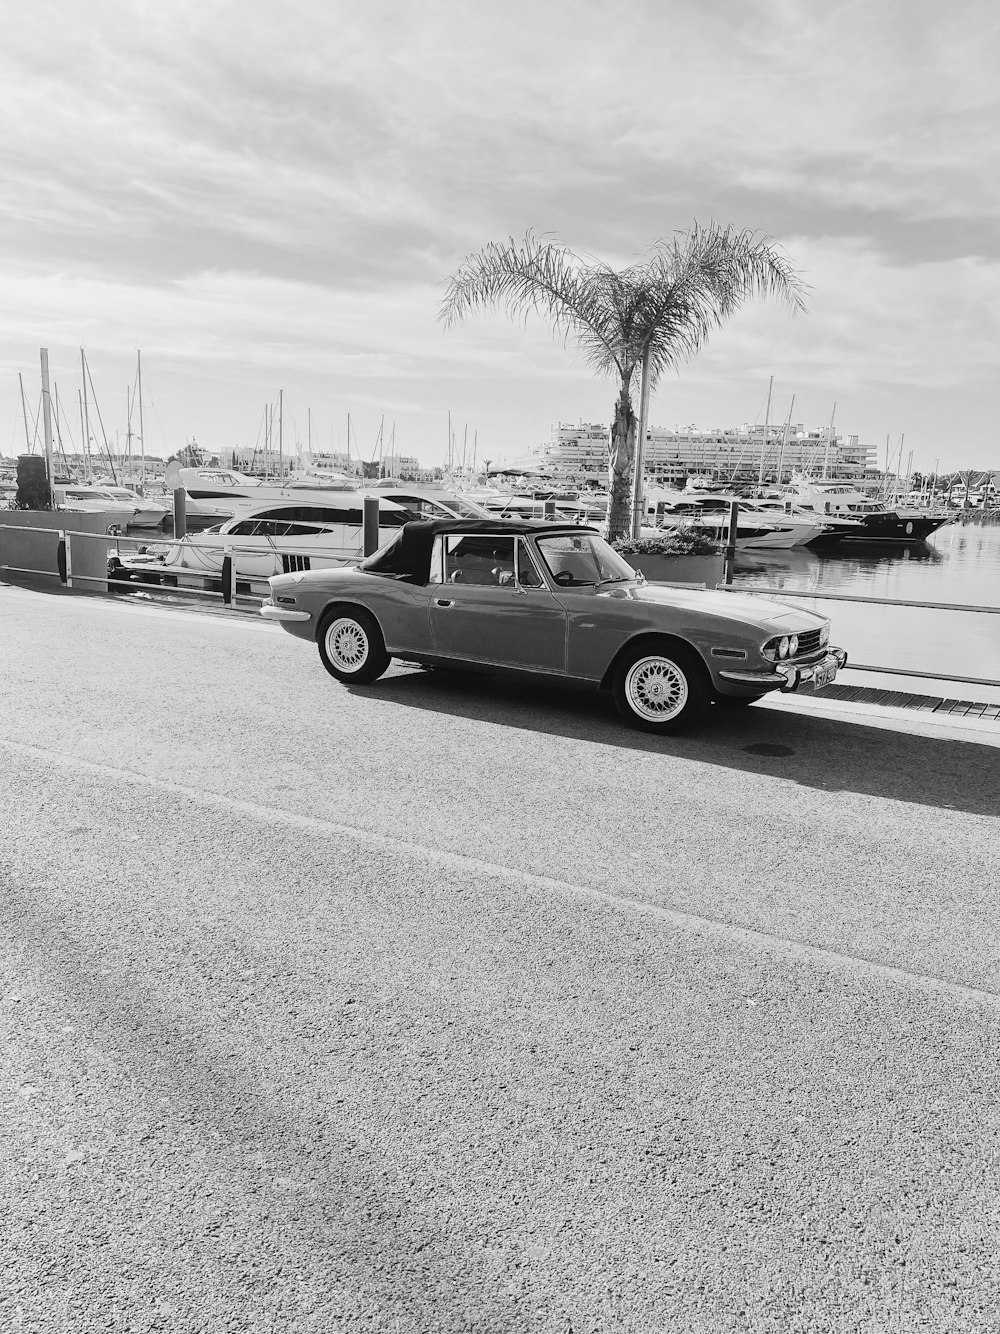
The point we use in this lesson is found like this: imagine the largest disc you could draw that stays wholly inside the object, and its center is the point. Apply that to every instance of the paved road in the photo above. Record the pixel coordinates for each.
(444, 1005)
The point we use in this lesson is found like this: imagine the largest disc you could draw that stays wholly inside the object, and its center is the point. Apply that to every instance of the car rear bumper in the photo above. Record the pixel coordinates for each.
(788, 676)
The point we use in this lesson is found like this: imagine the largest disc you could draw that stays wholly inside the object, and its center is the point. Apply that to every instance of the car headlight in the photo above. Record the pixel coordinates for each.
(824, 636)
(793, 645)
(783, 647)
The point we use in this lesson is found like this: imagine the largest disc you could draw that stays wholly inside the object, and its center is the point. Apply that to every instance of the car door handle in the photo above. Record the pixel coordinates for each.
(443, 602)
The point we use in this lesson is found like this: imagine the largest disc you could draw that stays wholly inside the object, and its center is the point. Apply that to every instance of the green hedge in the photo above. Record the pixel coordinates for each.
(670, 544)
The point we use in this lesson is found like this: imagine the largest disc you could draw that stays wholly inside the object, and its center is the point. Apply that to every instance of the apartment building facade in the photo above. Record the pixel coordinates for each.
(731, 454)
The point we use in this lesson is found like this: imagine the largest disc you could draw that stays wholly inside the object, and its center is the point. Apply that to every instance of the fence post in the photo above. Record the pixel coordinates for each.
(734, 517)
(227, 579)
(62, 553)
(180, 512)
(369, 527)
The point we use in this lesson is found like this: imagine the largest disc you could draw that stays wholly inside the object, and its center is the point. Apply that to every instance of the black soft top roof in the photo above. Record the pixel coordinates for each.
(408, 555)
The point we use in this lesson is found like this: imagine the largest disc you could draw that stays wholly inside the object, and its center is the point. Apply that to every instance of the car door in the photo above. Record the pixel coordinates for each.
(491, 606)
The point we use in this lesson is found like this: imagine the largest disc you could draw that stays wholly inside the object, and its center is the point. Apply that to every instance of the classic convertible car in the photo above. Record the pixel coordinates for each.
(551, 600)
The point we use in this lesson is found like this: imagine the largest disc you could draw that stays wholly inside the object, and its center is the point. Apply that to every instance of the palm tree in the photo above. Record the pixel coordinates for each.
(649, 317)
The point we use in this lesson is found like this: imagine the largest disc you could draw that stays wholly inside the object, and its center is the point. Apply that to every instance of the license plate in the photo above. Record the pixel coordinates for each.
(824, 675)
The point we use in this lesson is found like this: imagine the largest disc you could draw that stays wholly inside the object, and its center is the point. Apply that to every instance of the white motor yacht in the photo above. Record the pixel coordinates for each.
(307, 532)
(878, 523)
(428, 502)
(149, 512)
(756, 528)
(84, 498)
(224, 493)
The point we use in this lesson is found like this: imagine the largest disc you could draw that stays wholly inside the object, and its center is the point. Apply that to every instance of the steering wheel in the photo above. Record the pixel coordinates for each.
(564, 578)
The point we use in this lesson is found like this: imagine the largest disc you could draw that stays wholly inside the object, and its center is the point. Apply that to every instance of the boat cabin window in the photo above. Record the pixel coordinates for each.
(418, 507)
(351, 515)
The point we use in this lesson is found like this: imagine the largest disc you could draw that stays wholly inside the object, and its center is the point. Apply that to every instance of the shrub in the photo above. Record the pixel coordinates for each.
(685, 542)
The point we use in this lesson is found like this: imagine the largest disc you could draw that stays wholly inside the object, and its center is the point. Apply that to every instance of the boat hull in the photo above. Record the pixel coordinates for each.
(886, 529)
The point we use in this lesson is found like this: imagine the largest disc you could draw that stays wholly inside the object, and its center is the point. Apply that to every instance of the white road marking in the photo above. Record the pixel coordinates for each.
(790, 947)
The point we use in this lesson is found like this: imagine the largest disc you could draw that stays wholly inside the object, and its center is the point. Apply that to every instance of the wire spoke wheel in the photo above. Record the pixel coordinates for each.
(656, 689)
(347, 644)
(661, 689)
(351, 646)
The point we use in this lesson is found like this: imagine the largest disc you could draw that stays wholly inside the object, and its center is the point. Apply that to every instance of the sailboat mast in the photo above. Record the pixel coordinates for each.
(47, 426)
(128, 426)
(281, 435)
(24, 409)
(348, 444)
(59, 439)
(763, 443)
(829, 441)
(86, 419)
(309, 433)
(784, 438)
(142, 433)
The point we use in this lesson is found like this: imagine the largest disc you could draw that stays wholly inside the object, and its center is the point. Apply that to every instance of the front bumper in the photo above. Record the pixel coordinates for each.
(788, 676)
(270, 612)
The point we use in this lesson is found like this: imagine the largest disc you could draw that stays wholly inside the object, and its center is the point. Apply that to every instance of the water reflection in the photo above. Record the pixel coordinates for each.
(960, 565)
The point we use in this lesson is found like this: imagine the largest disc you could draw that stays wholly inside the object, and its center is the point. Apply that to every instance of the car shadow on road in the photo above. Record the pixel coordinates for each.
(823, 753)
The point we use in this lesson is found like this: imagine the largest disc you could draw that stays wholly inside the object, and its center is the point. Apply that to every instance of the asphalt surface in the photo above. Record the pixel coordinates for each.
(451, 1005)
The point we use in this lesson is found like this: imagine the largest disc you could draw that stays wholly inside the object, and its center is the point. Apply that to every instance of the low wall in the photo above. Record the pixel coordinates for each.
(29, 544)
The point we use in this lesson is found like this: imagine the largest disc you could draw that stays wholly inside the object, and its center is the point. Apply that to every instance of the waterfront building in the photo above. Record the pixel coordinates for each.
(739, 454)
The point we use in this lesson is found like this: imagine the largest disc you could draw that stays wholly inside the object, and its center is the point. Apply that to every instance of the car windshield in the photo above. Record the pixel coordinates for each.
(575, 559)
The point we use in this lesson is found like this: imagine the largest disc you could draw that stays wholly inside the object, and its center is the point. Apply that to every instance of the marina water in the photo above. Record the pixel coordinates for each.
(958, 565)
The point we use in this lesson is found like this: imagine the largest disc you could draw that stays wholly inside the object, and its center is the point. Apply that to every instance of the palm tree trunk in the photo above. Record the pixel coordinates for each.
(621, 450)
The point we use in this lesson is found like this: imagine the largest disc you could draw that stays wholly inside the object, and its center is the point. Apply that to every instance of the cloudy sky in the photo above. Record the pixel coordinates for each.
(269, 197)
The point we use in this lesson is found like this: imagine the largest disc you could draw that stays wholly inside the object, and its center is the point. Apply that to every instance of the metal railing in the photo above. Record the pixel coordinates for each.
(230, 594)
(226, 574)
(785, 594)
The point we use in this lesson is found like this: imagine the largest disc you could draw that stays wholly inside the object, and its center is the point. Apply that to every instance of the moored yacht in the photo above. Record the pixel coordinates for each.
(307, 532)
(878, 523)
(756, 527)
(224, 493)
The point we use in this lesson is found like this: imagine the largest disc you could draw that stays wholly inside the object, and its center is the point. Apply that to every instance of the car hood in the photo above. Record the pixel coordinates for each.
(758, 610)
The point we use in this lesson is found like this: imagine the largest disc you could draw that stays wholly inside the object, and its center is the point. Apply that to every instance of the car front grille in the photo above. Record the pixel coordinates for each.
(808, 643)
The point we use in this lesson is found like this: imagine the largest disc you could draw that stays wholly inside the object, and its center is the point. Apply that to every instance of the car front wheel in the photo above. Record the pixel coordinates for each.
(661, 689)
(351, 646)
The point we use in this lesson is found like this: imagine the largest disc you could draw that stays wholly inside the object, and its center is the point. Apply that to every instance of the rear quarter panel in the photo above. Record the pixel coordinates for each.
(401, 609)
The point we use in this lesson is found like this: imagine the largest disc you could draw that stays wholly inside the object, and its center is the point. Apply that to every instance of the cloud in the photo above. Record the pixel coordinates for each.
(279, 193)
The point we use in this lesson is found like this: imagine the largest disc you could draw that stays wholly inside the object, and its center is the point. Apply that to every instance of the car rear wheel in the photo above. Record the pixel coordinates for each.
(661, 688)
(351, 646)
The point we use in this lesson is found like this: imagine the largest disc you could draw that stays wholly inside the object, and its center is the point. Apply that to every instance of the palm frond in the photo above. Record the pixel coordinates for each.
(541, 278)
(666, 306)
(698, 279)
